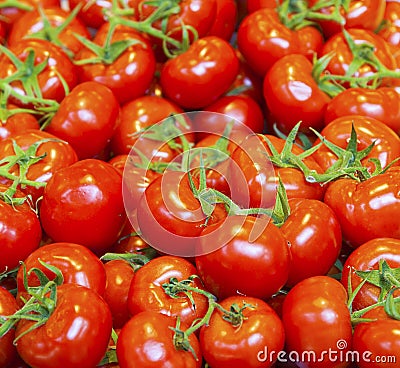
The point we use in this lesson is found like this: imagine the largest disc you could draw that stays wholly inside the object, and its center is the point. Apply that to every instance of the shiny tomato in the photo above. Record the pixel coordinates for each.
(226, 345)
(369, 130)
(391, 29)
(315, 239)
(382, 104)
(146, 291)
(147, 341)
(83, 204)
(32, 24)
(92, 12)
(89, 113)
(225, 19)
(248, 256)
(200, 75)
(316, 319)
(8, 306)
(76, 333)
(17, 122)
(21, 232)
(366, 258)
(253, 5)
(130, 74)
(369, 209)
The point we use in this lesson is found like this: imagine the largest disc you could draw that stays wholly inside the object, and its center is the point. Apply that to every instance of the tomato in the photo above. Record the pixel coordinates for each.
(169, 216)
(382, 104)
(129, 74)
(76, 333)
(83, 204)
(366, 210)
(15, 123)
(92, 12)
(316, 319)
(31, 24)
(243, 255)
(292, 95)
(226, 345)
(253, 5)
(377, 343)
(391, 29)
(366, 14)
(315, 238)
(21, 232)
(365, 258)
(146, 291)
(146, 341)
(225, 19)
(119, 276)
(77, 264)
(58, 66)
(8, 306)
(263, 39)
(130, 242)
(57, 154)
(138, 114)
(88, 114)
(369, 130)
(200, 75)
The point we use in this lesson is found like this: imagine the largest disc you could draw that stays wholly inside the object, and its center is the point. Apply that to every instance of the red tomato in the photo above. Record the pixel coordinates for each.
(200, 75)
(21, 232)
(253, 5)
(83, 204)
(58, 66)
(292, 95)
(8, 306)
(137, 115)
(76, 333)
(382, 104)
(369, 209)
(225, 345)
(377, 343)
(31, 24)
(225, 19)
(315, 239)
(146, 291)
(316, 319)
(119, 276)
(57, 155)
(77, 264)
(15, 123)
(147, 341)
(263, 39)
(130, 74)
(92, 12)
(88, 114)
(369, 130)
(252, 258)
(365, 258)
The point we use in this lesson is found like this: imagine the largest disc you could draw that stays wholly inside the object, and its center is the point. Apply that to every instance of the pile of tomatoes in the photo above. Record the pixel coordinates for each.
(199, 183)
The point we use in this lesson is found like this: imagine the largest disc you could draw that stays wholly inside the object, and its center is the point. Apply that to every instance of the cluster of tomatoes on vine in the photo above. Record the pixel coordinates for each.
(195, 183)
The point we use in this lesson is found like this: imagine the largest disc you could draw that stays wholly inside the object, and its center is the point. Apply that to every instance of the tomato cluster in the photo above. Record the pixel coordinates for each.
(199, 183)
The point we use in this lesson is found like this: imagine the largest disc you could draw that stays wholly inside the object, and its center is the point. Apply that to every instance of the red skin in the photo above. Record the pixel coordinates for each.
(8, 306)
(17, 123)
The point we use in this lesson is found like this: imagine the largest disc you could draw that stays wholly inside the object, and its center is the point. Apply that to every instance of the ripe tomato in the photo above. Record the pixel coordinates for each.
(200, 75)
(382, 104)
(77, 264)
(315, 238)
(88, 114)
(92, 12)
(15, 123)
(32, 24)
(391, 29)
(225, 20)
(83, 204)
(130, 74)
(369, 209)
(146, 291)
(292, 95)
(248, 256)
(316, 319)
(225, 345)
(253, 5)
(8, 306)
(369, 130)
(76, 334)
(147, 341)
(365, 258)
(21, 232)
(58, 66)
(119, 276)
